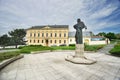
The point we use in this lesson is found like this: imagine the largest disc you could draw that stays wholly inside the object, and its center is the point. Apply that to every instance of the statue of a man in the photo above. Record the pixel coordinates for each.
(78, 36)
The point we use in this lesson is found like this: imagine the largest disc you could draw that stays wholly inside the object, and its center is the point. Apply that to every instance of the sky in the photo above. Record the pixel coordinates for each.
(97, 15)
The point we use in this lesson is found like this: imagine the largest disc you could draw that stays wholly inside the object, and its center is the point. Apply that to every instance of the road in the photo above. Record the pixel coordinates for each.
(9, 50)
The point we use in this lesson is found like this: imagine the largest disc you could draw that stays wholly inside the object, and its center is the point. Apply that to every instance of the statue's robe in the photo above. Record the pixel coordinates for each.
(78, 36)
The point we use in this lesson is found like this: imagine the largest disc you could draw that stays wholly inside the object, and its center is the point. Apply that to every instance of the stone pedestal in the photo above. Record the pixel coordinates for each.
(79, 50)
(79, 57)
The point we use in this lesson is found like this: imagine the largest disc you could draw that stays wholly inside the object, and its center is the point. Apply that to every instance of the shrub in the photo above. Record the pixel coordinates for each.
(20, 47)
(72, 45)
(63, 45)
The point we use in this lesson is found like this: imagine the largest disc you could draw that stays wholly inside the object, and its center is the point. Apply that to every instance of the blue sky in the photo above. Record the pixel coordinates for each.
(98, 15)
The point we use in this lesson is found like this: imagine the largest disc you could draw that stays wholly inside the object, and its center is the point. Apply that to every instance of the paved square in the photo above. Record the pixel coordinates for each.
(52, 66)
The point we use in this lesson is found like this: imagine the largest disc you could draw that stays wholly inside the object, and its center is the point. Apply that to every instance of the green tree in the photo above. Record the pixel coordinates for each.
(4, 40)
(101, 34)
(17, 36)
(111, 36)
(118, 36)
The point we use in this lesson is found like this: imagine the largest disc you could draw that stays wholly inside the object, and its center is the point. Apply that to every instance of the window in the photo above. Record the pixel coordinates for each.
(34, 34)
(34, 41)
(30, 41)
(97, 39)
(55, 34)
(64, 34)
(51, 34)
(46, 34)
(30, 34)
(38, 41)
(59, 41)
(64, 41)
(38, 34)
(55, 41)
(70, 40)
(60, 35)
(42, 41)
(50, 41)
(42, 34)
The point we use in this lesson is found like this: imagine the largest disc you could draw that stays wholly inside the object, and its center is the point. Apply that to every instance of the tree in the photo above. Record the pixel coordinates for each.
(118, 36)
(4, 40)
(111, 35)
(101, 34)
(17, 36)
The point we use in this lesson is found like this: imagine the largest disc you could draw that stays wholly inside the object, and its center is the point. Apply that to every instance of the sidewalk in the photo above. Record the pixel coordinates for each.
(9, 50)
(106, 49)
(52, 66)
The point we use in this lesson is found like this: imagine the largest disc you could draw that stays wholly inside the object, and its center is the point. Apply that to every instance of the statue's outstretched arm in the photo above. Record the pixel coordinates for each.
(75, 27)
(84, 26)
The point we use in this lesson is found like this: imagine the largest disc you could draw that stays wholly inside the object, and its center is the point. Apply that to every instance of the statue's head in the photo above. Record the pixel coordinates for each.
(78, 20)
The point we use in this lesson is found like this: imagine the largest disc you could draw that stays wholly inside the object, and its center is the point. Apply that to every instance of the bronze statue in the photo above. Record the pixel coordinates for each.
(78, 36)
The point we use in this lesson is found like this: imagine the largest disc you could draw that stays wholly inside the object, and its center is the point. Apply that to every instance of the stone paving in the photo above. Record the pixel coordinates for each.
(107, 48)
(52, 66)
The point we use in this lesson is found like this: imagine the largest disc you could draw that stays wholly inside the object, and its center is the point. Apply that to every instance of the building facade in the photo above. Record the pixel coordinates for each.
(49, 35)
(89, 39)
(59, 35)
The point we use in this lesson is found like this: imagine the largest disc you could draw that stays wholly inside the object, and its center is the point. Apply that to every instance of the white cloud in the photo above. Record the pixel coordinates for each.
(104, 12)
(43, 12)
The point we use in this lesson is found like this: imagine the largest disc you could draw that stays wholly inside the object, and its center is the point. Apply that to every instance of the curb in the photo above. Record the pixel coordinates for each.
(36, 52)
(8, 61)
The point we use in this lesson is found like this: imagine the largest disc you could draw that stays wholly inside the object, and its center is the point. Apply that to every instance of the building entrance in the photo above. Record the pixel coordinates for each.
(46, 41)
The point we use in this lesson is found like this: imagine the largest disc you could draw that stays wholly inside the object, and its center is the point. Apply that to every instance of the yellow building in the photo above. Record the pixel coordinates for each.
(49, 35)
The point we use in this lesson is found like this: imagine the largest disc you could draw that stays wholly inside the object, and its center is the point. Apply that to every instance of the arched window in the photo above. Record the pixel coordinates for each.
(60, 35)
(64, 41)
(34, 34)
(30, 41)
(55, 41)
(38, 34)
(38, 41)
(55, 34)
(64, 34)
(42, 34)
(34, 41)
(59, 41)
(30, 34)
(42, 41)
(46, 34)
(50, 41)
(51, 34)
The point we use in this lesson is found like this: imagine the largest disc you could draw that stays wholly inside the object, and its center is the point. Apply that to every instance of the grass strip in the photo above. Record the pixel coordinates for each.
(116, 50)
(7, 55)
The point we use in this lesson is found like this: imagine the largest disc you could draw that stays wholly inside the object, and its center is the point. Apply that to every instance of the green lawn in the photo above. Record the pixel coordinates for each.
(28, 49)
(7, 55)
(116, 50)
(93, 47)
(86, 48)
(63, 48)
